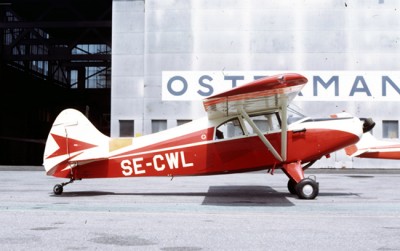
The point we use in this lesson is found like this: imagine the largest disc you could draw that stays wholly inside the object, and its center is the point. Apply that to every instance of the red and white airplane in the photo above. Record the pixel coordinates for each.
(246, 129)
(371, 147)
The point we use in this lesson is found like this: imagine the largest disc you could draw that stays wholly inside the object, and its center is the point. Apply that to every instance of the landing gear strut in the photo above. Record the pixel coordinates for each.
(59, 188)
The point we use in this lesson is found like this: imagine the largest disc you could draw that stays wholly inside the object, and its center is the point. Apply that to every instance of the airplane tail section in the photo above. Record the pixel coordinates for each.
(72, 140)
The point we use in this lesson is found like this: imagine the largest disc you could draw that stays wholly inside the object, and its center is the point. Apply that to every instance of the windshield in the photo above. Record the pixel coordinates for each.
(294, 115)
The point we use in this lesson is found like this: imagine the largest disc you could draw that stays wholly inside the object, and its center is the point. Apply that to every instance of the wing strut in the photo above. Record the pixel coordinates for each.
(284, 128)
(261, 135)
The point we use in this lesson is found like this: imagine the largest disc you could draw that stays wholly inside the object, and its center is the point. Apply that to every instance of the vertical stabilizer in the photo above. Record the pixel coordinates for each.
(72, 139)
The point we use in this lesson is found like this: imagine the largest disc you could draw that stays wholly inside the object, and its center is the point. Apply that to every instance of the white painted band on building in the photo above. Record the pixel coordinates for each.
(321, 86)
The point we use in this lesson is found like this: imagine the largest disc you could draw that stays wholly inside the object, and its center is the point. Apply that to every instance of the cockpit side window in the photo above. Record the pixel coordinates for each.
(264, 122)
(229, 129)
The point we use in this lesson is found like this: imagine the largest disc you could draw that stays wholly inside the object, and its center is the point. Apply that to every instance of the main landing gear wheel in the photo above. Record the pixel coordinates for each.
(291, 185)
(307, 189)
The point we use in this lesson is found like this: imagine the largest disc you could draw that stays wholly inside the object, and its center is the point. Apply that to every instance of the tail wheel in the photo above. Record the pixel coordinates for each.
(58, 189)
(307, 189)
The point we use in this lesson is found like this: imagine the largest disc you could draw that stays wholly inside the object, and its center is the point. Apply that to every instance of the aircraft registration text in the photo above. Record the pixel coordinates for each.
(159, 162)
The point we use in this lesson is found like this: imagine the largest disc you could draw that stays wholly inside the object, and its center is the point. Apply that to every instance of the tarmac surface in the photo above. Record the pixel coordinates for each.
(355, 210)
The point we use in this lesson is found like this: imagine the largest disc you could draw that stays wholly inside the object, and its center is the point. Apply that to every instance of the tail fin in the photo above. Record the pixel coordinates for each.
(72, 139)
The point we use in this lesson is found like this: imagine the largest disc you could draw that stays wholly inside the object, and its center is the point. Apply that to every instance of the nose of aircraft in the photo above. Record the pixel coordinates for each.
(368, 123)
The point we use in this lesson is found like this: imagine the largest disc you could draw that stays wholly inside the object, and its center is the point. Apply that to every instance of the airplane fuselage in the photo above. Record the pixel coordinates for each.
(193, 149)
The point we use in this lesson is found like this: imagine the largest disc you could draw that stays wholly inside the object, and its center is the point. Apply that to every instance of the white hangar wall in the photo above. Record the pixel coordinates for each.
(151, 37)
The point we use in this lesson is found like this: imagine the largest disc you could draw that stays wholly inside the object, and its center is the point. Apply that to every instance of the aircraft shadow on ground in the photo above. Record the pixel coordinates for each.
(262, 196)
(259, 196)
(216, 196)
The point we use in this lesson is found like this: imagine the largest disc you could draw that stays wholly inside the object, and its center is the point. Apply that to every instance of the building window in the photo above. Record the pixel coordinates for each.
(183, 121)
(158, 125)
(126, 128)
(390, 129)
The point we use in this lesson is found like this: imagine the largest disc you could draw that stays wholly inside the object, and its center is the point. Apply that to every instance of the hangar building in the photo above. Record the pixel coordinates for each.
(54, 55)
(349, 50)
(126, 63)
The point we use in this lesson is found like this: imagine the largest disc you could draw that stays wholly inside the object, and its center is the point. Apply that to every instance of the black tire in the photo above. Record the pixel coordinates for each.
(291, 185)
(307, 189)
(58, 189)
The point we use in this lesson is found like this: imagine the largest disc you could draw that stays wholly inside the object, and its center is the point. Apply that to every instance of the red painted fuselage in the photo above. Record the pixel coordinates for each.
(198, 153)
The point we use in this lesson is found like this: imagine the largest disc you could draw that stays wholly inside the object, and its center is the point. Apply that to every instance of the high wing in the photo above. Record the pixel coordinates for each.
(267, 94)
